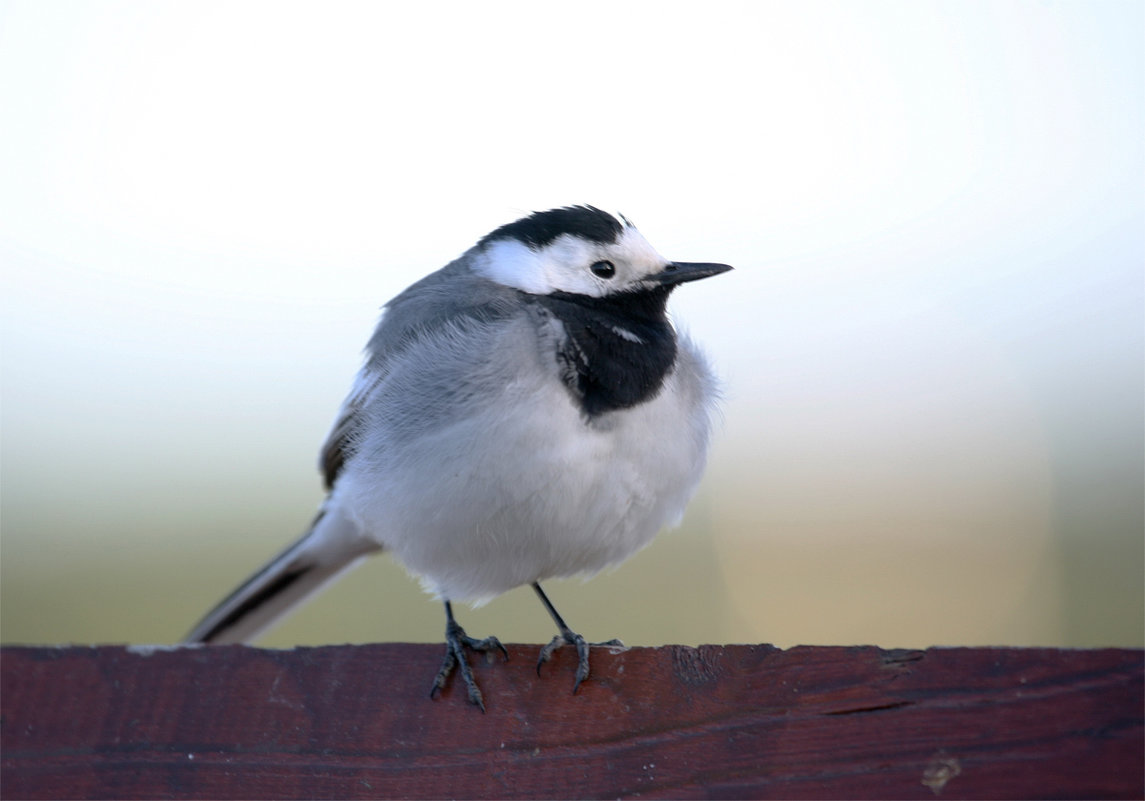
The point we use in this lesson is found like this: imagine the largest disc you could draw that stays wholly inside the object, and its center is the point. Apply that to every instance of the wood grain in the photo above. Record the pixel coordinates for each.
(734, 721)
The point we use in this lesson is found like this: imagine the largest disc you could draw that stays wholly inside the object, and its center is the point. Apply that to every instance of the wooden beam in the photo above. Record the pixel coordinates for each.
(734, 721)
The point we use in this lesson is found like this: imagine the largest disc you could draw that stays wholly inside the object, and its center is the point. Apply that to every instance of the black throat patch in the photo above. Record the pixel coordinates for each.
(618, 349)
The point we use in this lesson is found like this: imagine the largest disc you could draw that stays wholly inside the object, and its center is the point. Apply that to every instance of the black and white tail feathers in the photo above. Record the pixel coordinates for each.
(332, 545)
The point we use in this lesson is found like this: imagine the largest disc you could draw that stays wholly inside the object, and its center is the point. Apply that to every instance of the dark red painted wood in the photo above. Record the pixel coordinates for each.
(718, 722)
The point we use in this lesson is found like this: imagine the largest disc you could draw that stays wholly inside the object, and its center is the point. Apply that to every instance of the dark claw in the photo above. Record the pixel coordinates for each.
(547, 651)
(582, 662)
(570, 637)
(456, 641)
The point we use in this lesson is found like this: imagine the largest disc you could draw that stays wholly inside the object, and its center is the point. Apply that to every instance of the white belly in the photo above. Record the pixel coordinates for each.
(525, 490)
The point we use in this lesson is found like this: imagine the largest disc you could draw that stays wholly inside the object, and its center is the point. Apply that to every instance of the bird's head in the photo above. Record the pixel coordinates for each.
(580, 250)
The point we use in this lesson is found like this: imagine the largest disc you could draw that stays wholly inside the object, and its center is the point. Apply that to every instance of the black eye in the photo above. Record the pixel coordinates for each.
(603, 269)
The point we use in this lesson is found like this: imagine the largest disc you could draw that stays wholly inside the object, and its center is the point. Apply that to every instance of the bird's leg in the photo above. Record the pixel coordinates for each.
(456, 641)
(570, 637)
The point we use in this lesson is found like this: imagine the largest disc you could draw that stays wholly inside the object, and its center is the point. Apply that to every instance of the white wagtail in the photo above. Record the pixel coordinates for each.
(525, 412)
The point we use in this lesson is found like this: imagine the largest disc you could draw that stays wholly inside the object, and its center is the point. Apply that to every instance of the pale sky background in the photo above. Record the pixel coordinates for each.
(932, 346)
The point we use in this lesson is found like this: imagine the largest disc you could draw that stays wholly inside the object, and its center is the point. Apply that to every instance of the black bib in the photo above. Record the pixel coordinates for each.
(618, 348)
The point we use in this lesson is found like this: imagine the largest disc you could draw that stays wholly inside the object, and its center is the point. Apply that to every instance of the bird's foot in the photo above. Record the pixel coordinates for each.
(456, 641)
(570, 637)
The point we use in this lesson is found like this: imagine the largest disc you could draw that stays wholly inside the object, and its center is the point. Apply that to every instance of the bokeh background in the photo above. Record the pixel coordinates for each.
(932, 347)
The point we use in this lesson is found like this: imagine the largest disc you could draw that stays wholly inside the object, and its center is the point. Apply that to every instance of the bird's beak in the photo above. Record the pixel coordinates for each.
(678, 272)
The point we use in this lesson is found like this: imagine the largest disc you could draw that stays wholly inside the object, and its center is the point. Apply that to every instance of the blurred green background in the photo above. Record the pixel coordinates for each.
(932, 346)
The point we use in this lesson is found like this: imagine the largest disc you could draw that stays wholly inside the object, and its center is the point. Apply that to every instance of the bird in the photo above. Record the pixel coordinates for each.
(527, 412)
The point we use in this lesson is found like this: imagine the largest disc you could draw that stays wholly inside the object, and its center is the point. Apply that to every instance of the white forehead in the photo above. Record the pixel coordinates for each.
(564, 264)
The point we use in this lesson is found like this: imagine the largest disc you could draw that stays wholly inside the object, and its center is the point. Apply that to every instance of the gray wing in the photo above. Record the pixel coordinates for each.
(336, 448)
(452, 296)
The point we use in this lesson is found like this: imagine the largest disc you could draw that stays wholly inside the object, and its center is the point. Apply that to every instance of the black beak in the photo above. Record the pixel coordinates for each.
(678, 272)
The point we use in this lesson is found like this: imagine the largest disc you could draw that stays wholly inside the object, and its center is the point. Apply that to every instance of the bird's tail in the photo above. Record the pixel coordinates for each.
(333, 544)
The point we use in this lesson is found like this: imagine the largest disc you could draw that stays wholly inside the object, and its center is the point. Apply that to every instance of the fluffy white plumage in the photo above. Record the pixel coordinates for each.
(523, 489)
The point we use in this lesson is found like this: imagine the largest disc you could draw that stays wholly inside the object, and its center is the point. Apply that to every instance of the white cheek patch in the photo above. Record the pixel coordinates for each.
(566, 264)
(512, 263)
(563, 266)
